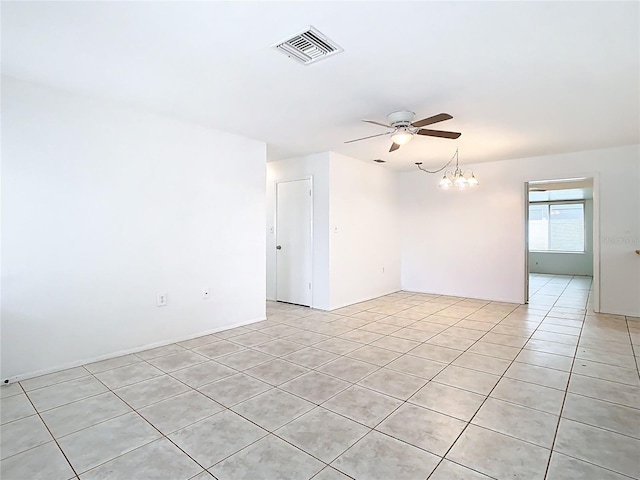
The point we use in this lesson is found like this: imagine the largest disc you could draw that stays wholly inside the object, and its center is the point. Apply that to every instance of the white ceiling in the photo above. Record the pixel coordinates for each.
(520, 78)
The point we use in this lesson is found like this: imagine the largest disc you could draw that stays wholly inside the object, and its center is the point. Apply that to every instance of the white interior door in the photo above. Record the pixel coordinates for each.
(293, 242)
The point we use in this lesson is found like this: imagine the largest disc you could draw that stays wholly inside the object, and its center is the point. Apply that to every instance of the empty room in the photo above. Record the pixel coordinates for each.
(370, 240)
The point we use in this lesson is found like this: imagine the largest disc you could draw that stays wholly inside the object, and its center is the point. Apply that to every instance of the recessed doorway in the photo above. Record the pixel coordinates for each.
(560, 225)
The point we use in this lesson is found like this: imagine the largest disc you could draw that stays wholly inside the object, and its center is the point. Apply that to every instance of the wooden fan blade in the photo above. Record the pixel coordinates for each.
(370, 136)
(378, 123)
(394, 147)
(438, 133)
(441, 117)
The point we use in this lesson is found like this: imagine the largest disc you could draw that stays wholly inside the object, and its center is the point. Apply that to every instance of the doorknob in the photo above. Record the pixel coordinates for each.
(278, 247)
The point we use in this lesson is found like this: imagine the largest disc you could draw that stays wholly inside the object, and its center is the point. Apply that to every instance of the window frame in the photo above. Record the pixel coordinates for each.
(561, 202)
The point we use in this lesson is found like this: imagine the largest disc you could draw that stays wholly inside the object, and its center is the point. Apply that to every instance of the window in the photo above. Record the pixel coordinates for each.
(556, 227)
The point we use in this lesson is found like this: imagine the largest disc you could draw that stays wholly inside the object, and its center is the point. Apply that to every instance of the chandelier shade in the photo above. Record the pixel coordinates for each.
(457, 178)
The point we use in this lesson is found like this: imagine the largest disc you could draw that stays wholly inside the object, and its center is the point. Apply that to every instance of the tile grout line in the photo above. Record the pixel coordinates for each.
(482, 404)
(50, 433)
(225, 408)
(633, 349)
(346, 355)
(142, 360)
(269, 432)
(567, 392)
(430, 380)
(147, 421)
(564, 399)
(487, 396)
(356, 384)
(141, 416)
(251, 347)
(402, 354)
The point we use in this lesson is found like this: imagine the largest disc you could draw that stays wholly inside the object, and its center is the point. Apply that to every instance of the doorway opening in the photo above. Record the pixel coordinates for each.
(561, 218)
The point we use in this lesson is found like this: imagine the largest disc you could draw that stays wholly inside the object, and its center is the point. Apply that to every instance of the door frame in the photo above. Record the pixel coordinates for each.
(526, 243)
(595, 230)
(311, 232)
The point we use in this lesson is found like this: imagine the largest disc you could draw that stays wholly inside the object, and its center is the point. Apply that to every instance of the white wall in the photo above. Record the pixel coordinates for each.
(103, 207)
(315, 167)
(355, 227)
(364, 231)
(568, 263)
(471, 243)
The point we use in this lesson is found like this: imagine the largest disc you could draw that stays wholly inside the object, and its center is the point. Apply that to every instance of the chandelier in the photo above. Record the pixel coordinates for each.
(458, 178)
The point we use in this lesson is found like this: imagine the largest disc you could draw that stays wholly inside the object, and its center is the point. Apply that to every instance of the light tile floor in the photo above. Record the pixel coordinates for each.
(406, 386)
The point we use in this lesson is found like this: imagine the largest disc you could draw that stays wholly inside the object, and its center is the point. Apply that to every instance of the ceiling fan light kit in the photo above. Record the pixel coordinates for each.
(403, 128)
(402, 137)
(460, 179)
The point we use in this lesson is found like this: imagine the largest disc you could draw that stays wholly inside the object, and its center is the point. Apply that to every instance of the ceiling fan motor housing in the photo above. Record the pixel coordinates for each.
(402, 118)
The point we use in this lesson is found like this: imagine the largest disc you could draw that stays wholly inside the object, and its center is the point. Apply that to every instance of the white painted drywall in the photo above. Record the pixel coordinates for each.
(568, 263)
(471, 243)
(315, 167)
(355, 227)
(364, 231)
(103, 207)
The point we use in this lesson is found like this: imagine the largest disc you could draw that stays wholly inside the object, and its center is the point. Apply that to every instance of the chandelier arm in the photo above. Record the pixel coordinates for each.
(455, 156)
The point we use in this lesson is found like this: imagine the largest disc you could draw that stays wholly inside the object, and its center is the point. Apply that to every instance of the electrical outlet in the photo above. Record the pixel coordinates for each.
(206, 293)
(161, 300)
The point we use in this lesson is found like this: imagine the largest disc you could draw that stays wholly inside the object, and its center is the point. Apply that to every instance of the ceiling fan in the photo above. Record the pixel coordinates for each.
(404, 128)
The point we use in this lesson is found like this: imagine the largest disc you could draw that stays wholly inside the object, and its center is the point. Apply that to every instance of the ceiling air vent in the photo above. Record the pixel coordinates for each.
(308, 46)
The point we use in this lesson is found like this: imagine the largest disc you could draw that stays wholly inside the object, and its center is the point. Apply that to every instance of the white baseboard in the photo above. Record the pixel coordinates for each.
(119, 353)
